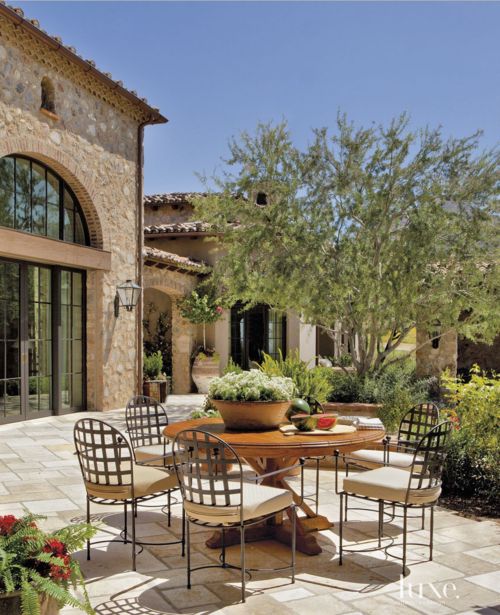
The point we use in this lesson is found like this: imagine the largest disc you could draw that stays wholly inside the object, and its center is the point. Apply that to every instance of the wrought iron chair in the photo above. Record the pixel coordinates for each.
(418, 487)
(217, 497)
(146, 419)
(112, 477)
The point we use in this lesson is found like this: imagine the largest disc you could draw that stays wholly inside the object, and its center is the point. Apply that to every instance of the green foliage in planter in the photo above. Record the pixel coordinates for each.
(157, 336)
(152, 366)
(207, 411)
(232, 367)
(311, 383)
(251, 386)
(397, 389)
(472, 467)
(35, 562)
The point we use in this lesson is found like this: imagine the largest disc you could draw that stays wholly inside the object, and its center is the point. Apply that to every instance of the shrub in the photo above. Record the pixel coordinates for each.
(397, 388)
(472, 468)
(232, 367)
(152, 366)
(311, 383)
(251, 386)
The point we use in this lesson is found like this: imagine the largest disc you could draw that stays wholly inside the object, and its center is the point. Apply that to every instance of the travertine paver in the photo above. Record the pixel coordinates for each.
(38, 469)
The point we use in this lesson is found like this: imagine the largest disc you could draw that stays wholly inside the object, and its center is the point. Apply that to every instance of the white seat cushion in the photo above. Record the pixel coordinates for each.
(147, 481)
(389, 484)
(369, 458)
(258, 500)
(150, 451)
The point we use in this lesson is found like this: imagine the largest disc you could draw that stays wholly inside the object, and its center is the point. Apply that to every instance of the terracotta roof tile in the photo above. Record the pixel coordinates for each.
(174, 261)
(169, 199)
(177, 227)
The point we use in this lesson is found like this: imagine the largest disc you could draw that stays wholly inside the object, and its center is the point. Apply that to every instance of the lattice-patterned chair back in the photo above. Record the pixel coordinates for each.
(415, 424)
(203, 465)
(104, 454)
(429, 458)
(146, 419)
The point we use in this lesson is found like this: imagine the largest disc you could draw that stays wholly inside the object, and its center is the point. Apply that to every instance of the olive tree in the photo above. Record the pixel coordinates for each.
(380, 228)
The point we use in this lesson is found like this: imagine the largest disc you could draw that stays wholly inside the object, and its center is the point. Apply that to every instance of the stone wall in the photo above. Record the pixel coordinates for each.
(92, 144)
(433, 361)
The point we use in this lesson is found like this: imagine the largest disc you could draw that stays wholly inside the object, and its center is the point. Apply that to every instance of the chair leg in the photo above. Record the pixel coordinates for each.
(223, 548)
(380, 521)
(183, 539)
(125, 525)
(169, 516)
(431, 543)
(423, 518)
(345, 513)
(340, 527)
(317, 485)
(134, 515)
(294, 540)
(242, 563)
(188, 546)
(405, 528)
(88, 521)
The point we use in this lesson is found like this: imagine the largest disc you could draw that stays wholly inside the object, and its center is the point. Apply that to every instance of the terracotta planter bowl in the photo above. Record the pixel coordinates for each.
(251, 415)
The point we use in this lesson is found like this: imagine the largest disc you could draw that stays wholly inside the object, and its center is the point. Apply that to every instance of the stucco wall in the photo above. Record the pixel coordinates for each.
(93, 146)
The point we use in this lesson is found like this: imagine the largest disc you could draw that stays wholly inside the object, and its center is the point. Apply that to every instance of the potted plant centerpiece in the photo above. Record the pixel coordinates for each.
(37, 570)
(155, 383)
(251, 400)
(202, 309)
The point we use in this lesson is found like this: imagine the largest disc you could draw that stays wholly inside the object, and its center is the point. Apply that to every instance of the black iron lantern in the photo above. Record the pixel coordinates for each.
(127, 295)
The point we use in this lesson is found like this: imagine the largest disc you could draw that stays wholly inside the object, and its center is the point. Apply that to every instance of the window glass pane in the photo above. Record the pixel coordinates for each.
(65, 391)
(7, 191)
(12, 359)
(77, 356)
(44, 325)
(44, 392)
(52, 188)
(77, 323)
(11, 315)
(79, 230)
(23, 195)
(12, 390)
(38, 193)
(77, 391)
(65, 287)
(69, 224)
(2, 359)
(53, 220)
(77, 288)
(45, 281)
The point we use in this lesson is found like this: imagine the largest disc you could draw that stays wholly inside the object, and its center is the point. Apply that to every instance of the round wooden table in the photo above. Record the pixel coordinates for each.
(269, 451)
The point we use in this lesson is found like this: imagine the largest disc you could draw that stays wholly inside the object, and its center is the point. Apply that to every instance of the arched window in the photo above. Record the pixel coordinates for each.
(48, 95)
(261, 198)
(34, 199)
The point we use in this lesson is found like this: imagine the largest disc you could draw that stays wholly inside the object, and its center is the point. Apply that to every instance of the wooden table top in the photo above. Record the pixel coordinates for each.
(275, 443)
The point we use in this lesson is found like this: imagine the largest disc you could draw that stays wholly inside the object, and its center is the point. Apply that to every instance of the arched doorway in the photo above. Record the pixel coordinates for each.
(42, 306)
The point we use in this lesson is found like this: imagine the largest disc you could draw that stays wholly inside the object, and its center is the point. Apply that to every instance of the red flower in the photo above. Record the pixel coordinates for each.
(56, 547)
(60, 573)
(7, 524)
(219, 309)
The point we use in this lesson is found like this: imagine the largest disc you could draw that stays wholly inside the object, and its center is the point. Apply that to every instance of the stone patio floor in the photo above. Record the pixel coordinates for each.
(39, 471)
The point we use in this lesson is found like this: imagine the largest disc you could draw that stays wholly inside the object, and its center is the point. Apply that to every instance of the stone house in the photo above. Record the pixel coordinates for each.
(71, 226)
(178, 253)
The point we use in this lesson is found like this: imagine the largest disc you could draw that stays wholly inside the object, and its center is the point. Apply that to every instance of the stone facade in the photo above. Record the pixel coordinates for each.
(433, 361)
(93, 142)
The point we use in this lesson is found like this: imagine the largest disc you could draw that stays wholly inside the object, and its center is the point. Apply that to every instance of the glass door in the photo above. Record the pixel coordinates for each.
(42, 344)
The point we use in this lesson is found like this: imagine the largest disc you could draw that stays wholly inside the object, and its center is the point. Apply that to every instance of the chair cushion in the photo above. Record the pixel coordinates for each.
(147, 481)
(149, 451)
(389, 484)
(373, 458)
(258, 500)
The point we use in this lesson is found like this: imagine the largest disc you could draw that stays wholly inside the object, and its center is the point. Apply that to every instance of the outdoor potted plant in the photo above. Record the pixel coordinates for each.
(37, 570)
(251, 400)
(155, 383)
(202, 309)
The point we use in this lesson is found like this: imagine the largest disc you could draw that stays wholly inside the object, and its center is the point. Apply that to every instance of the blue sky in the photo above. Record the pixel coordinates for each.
(216, 68)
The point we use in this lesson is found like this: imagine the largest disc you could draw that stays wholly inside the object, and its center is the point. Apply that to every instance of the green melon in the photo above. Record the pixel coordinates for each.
(298, 406)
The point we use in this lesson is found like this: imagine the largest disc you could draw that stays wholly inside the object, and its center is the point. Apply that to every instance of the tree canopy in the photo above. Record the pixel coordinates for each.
(379, 228)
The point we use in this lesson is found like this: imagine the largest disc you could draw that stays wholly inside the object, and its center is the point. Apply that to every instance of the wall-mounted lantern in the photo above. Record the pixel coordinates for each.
(127, 295)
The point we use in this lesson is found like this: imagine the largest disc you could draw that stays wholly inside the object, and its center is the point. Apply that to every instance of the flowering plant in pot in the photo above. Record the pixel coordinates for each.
(202, 309)
(251, 400)
(37, 570)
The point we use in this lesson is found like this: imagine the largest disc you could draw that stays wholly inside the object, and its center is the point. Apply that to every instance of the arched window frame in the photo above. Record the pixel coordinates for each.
(65, 198)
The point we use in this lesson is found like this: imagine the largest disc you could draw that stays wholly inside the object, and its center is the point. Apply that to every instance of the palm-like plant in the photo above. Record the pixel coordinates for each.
(39, 564)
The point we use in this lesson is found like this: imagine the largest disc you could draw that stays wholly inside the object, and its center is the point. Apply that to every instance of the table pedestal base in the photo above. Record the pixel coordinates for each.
(305, 543)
